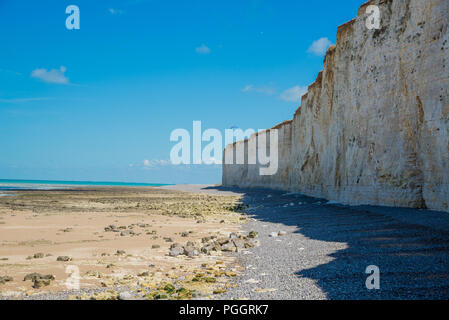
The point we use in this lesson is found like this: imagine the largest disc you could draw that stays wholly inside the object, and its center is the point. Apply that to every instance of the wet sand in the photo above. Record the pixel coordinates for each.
(37, 227)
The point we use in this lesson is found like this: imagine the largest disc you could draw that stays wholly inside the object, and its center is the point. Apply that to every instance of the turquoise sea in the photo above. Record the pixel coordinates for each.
(7, 184)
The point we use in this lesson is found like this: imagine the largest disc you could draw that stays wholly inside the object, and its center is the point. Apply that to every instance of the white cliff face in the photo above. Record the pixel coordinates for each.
(374, 126)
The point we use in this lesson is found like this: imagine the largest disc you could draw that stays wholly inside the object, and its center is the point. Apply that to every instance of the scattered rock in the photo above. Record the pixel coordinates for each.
(63, 258)
(39, 280)
(282, 233)
(155, 246)
(273, 234)
(127, 233)
(39, 255)
(111, 228)
(253, 234)
(228, 247)
(5, 279)
(190, 251)
(125, 296)
(176, 251)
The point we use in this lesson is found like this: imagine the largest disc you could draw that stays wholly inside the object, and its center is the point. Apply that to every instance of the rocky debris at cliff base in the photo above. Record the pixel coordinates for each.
(232, 243)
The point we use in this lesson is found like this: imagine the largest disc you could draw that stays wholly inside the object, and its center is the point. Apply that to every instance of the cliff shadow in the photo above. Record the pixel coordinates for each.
(409, 246)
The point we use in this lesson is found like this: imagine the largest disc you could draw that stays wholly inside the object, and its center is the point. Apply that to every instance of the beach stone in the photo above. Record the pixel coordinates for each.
(253, 234)
(34, 276)
(184, 234)
(206, 249)
(176, 251)
(239, 243)
(155, 246)
(222, 241)
(205, 239)
(5, 279)
(110, 228)
(228, 247)
(127, 233)
(39, 283)
(282, 233)
(273, 234)
(63, 258)
(233, 235)
(38, 255)
(190, 251)
(125, 296)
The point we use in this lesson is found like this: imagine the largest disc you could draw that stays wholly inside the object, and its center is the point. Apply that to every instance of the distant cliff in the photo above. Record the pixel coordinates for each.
(373, 127)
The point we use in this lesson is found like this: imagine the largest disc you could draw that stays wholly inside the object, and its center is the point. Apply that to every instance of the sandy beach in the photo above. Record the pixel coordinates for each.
(117, 240)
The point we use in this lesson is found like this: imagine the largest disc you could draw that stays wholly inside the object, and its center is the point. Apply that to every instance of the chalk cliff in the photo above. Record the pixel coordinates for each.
(374, 126)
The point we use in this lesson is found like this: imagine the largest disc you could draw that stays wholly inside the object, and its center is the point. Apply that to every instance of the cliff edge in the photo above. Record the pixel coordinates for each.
(374, 126)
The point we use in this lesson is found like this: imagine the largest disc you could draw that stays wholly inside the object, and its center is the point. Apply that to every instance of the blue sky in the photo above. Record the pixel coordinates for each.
(95, 103)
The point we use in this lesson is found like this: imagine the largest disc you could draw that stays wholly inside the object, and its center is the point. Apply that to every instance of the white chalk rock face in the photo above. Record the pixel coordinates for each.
(374, 126)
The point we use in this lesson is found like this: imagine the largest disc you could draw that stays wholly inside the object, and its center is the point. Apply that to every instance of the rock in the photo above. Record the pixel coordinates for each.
(168, 239)
(206, 249)
(39, 283)
(239, 243)
(111, 228)
(120, 252)
(63, 258)
(205, 239)
(253, 234)
(282, 233)
(39, 279)
(5, 279)
(273, 234)
(125, 296)
(184, 234)
(38, 255)
(222, 241)
(228, 247)
(233, 235)
(176, 251)
(190, 244)
(144, 274)
(127, 233)
(174, 245)
(155, 246)
(190, 251)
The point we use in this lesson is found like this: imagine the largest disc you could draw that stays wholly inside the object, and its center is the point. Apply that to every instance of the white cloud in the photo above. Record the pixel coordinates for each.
(115, 11)
(51, 76)
(263, 89)
(155, 163)
(203, 49)
(293, 94)
(319, 47)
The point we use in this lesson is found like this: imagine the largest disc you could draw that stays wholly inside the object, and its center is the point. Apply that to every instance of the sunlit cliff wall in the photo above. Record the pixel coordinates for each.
(373, 127)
